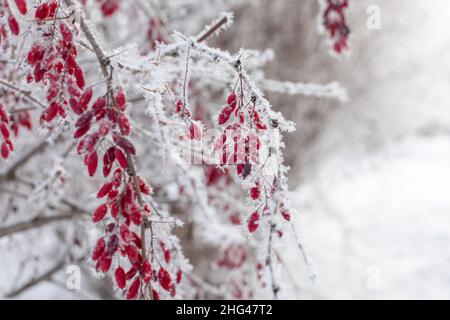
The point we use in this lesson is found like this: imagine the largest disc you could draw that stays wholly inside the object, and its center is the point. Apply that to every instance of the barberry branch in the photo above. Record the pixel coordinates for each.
(104, 63)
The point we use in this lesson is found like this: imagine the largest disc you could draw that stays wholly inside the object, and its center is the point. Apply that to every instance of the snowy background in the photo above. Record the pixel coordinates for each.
(371, 177)
(375, 204)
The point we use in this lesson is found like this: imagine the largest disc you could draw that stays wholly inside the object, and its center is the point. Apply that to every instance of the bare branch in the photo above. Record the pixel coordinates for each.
(44, 277)
(27, 94)
(36, 223)
(11, 172)
(213, 29)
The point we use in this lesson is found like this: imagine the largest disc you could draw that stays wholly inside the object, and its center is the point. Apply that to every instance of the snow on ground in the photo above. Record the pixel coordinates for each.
(379, 227)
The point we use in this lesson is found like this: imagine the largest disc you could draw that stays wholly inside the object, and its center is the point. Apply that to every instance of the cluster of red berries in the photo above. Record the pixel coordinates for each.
(102, 123)
(6, 144)
(335, 23)
(240, 135)
(53, 62)
(13, 24)
(11, 123)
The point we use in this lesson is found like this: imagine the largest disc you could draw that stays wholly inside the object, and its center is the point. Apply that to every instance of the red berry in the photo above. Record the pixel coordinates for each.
(92, 163)
(121, 100)
(86, 98)
(120, 157)
(147, 272)
(165, 251)
(65, 32)
(53, 6)
(134, 289)
(4, 130)
(100, 213)
(5, 150)
(144, 187)
(104, 263)
(255, 192)
(286, 215)
(253, 222)
(79, 75)
(81, 131)
(124, 124)
(257, 121)
(120, 277)
(21, 6)
(164, 279)
(99, 249)
(104, 190)
(43, 11)
(13, 25)
(109, 7)
(3, 115)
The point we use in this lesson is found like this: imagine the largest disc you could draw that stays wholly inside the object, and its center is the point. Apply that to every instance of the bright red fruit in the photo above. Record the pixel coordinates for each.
(13, 25)
(120, 277)
(147, 271)
(166, 252)
(179, 276)
(144, 187)
(286, 215)
(253, 222)
(4, 130)
(120, 157)
(255, 192)
(121, 100)
(92, 163)
(164, 279)
(79, 75)
(86, 98)
(124, 124)
(227, 110)
(104, 190)
(43, 11)
(257, 121)
(104, 263)
(81, 131)
(134, 289)
(99, 249)
(109, 7)
(5, 150)
(100, 213)
(21, 6)
(65, 31)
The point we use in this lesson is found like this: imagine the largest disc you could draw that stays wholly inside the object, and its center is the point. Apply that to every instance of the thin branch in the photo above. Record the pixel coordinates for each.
(213, 29)
(44, 277)
(36, 223)
(185, 84)
(269, 264)
(11, 172)
(27, 94)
